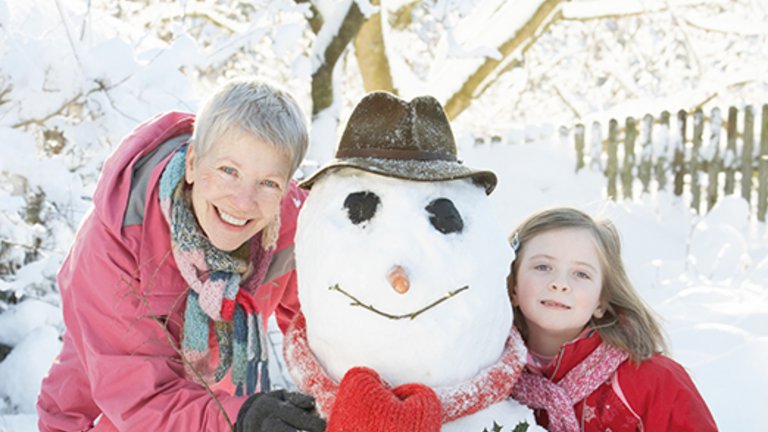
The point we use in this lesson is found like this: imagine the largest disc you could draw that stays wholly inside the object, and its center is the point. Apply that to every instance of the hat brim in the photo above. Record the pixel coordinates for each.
(428, 171)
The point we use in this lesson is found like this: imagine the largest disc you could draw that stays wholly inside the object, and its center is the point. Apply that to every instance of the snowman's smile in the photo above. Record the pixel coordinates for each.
(411, 315)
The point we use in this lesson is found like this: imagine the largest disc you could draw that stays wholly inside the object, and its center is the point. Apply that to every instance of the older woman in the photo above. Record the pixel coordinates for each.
(171, 278)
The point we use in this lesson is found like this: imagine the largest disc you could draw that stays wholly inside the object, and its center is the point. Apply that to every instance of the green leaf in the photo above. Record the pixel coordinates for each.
(521, 427)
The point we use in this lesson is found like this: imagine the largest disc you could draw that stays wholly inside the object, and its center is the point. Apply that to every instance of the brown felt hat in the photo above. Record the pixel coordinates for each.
(408, 140)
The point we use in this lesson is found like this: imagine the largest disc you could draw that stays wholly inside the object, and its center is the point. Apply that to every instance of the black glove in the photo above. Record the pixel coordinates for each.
(279, 411)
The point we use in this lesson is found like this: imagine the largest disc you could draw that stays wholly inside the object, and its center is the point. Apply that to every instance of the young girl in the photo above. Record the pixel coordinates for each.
(595, 361)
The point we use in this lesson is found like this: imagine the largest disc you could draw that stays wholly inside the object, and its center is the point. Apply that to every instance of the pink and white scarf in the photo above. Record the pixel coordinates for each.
(558, 399)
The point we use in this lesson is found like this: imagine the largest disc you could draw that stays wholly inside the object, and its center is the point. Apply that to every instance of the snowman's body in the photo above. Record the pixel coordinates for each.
(454, 318)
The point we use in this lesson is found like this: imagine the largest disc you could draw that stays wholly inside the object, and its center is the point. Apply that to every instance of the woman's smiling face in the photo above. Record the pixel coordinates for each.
(237, 186)
(558, 286)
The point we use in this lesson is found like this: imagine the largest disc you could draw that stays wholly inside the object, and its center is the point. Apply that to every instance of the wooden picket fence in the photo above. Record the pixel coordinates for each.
(688, 155)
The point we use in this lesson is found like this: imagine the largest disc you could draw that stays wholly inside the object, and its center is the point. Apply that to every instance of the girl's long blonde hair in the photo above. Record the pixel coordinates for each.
(628, 323)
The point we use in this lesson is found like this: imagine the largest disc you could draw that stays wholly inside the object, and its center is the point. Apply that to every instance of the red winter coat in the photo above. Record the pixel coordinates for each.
(655, 396)
(116, 361)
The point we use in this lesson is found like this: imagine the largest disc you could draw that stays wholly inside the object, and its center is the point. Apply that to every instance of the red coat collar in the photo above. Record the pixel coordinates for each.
(571, 354)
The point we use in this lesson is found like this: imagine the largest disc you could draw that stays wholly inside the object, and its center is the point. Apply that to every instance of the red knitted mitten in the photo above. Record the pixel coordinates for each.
(365, 403)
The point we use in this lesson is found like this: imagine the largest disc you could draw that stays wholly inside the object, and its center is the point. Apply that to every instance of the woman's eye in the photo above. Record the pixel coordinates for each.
(444, 216)
(541, 267)
(361, 206)
(228, 170)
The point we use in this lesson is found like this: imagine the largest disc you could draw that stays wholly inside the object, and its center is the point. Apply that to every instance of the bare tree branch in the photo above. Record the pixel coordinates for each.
(5, 92)
(69, 35)
(100, 86)
(576, 11)
(316, 20)
(403, 17)
(64, 106)
(526, 35)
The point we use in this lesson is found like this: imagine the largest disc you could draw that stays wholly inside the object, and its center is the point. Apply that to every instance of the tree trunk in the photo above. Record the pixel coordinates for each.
(372, 55)
(322, 78)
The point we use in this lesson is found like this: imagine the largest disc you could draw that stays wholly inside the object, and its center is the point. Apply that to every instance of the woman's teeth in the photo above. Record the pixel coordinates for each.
(228, 218)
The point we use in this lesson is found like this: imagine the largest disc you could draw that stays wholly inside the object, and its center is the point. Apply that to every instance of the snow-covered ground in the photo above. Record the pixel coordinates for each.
(706, 276)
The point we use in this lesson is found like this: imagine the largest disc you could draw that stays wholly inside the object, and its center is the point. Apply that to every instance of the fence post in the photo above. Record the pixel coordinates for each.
(747, 150)
(678, 160)
(698, 131)
(646, 164)
(715, 162)
(596, 147)
(578, 135)
(612, 168)
(630, 135)
(762, 191)
(662, 156)
(729, 159)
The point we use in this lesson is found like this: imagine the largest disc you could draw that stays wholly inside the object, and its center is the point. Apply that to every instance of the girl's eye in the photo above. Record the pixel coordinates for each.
(541, 267)
(583, 275)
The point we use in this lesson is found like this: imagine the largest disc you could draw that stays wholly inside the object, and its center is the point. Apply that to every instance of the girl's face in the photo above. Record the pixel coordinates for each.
(237, 186)
(558, 286)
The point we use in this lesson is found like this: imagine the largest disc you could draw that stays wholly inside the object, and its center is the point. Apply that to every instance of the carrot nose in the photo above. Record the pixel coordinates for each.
(398, 278)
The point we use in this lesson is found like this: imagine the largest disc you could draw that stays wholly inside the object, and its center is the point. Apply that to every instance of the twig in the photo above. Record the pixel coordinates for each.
(100, 86)
(316, 19)
(48, 116)
(69, 35)
(686, 39)
(103, 87)
(173, 343)
(4, 92)
(566, 101)
(412, 315)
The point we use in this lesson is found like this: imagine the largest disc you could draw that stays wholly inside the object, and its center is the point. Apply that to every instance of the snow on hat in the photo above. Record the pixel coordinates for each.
(408, 140)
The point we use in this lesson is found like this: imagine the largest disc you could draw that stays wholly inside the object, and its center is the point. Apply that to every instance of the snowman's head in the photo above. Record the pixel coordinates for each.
(406, 277)
(401, 264)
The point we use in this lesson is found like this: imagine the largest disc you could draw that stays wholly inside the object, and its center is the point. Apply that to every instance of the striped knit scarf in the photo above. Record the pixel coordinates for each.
(559, 398)
(216, 304)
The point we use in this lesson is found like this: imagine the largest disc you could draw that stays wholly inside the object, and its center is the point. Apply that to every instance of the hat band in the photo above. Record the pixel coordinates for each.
(394, 154)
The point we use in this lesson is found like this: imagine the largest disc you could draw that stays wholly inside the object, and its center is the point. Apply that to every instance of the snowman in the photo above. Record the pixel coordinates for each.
(406, 324)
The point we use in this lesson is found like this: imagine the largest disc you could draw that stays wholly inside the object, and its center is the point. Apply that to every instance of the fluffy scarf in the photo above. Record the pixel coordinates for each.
(492, 385)
(216, 304)
(558, 399)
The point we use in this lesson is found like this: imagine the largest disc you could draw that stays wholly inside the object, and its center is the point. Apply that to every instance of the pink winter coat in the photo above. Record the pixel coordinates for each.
(120, 281)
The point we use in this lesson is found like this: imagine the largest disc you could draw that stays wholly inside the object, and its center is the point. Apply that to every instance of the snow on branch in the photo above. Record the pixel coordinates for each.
(475, 84)
(601, 9)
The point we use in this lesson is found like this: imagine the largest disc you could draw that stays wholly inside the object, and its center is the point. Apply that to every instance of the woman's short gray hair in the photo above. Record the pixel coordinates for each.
(262, 109)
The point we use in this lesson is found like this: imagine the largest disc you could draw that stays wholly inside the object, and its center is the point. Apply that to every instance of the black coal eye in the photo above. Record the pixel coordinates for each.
(444, 216)
(361, 206)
